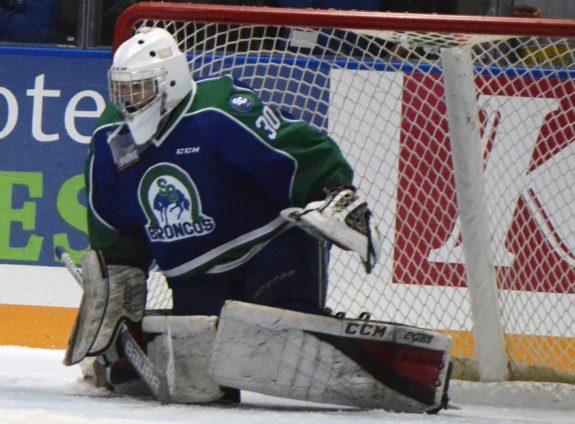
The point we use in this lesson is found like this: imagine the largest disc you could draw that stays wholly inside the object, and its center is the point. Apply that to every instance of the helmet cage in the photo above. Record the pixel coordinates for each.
(132, 92)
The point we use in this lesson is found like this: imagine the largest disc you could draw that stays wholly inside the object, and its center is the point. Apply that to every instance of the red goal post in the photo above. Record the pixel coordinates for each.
(462, 133)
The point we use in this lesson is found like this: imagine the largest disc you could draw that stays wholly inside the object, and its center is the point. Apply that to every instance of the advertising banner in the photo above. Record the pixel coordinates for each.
(50, 100)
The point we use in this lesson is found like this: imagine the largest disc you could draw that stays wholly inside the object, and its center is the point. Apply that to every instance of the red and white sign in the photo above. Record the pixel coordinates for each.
(528, 130)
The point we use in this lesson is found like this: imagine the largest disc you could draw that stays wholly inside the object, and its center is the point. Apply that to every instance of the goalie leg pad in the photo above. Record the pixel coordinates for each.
(111, 294)
(182, 346)
(359, 363)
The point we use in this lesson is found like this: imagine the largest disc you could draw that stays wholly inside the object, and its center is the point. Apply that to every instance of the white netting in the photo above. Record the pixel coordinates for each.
(380, 95)
(159, 294)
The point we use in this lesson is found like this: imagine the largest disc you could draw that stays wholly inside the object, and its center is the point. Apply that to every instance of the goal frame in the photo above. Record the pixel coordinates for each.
(333, 18)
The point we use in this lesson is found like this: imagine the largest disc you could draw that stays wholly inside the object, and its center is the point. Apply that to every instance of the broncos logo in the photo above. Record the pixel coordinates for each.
(168, 199)
(172, 204)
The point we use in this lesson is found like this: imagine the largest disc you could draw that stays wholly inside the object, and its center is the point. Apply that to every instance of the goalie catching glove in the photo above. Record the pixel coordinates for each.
(342, 219)
(112, 293)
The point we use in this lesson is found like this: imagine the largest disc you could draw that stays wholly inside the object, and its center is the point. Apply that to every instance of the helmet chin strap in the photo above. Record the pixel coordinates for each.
(164, 117)
(161, 126)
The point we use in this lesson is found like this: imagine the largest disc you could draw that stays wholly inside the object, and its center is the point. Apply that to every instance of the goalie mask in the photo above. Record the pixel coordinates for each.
(148, 79)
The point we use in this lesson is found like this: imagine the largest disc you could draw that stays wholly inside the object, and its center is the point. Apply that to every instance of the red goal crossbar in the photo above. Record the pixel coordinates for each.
(258, 15)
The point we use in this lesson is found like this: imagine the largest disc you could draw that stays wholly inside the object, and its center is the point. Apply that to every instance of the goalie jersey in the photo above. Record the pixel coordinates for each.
(211, 193)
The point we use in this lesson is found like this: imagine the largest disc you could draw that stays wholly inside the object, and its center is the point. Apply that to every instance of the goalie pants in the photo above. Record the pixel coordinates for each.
(288, 273)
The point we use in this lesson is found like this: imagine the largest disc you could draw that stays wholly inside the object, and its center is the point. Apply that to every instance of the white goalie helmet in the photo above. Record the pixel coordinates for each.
(149, 76)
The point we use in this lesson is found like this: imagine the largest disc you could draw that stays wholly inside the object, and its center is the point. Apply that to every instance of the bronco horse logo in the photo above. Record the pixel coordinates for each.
(170, 200)
(169, 197)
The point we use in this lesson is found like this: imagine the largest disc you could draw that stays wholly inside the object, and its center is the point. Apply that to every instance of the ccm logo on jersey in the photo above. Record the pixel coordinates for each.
(365, 329)
(187, 150)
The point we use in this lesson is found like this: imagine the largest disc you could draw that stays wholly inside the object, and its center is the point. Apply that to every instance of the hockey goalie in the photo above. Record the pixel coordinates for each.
(239, 206)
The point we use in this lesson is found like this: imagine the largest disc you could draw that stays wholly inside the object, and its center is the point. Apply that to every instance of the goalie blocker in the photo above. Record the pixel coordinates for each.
(351, 362)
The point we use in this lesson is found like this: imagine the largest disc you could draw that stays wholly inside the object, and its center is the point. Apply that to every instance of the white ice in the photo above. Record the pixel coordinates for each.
(35, 388)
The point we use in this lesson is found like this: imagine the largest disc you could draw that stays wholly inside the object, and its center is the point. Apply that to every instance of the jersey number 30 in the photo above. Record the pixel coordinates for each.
(269, 122)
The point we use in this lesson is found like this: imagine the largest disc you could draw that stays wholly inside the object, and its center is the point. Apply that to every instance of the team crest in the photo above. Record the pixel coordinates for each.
(241, 103)
(171, 202)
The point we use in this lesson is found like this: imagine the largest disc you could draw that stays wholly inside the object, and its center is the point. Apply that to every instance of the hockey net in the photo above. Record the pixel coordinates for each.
(455, 126)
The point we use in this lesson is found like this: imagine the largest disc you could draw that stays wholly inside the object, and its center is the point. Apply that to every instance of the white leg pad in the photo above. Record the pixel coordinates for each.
(290, 354)
(183, 348)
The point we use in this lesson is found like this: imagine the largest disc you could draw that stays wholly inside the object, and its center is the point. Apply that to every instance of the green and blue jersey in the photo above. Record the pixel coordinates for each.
(211, 193)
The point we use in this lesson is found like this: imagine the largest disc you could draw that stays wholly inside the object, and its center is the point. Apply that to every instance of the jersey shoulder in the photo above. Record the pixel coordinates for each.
(226, 95)
(110, 116)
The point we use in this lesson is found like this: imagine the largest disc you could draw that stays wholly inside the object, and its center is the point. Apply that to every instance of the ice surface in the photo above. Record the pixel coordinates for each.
(35, 388)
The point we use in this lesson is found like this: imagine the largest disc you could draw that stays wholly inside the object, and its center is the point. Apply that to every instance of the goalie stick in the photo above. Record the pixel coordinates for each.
(156, 381)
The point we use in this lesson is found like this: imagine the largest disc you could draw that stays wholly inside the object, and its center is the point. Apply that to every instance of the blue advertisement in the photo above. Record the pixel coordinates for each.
(50, 100)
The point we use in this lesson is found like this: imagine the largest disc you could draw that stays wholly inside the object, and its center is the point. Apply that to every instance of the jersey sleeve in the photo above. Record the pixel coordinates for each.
(116, 248)
(320, 163)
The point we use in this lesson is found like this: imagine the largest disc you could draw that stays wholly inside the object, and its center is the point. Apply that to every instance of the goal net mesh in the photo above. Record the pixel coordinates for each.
(380, 95)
